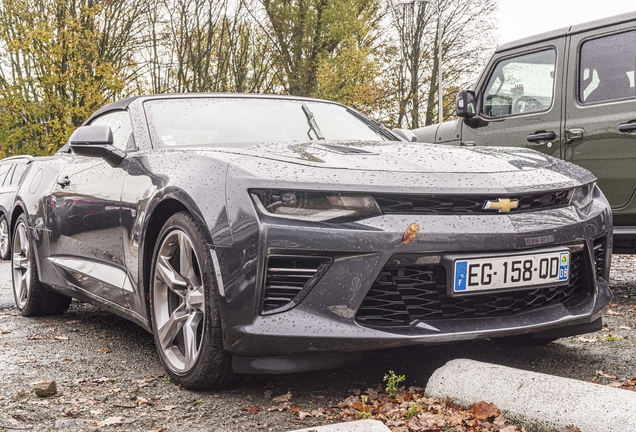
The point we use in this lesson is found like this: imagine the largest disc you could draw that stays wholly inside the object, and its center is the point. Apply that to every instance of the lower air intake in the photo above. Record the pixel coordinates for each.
(288, 276)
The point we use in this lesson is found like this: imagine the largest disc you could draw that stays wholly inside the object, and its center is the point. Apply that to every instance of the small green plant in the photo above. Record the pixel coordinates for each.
(167, 379)
(364, 413)
(612, 338)
(392, 383)
(412, 411)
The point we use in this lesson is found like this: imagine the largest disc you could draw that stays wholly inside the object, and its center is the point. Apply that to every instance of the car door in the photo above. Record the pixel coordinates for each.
(6, 199)
(519, 100)
(86, 231)
(600, 115)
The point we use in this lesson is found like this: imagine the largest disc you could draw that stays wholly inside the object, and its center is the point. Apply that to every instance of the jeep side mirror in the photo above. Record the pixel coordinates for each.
(96, 141)
(465, 104)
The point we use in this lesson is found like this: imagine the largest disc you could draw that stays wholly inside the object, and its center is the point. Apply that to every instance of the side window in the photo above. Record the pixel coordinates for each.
(520, 85)
(120, 125)
(17, 174)
(606, 69)
(4, 170)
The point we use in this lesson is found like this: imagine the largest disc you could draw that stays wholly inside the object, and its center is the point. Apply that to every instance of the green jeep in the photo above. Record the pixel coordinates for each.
(568, 93)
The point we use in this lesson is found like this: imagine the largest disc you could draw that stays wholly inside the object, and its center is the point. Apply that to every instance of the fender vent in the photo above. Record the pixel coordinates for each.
(288, 276)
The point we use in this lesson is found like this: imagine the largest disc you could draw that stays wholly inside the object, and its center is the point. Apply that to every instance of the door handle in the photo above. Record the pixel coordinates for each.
(541, 138)
(65, 181)
(627, 127)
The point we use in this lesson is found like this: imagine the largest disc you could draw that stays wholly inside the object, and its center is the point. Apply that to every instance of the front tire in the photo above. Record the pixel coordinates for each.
(31, 297)
(186, 321)
(5, 241)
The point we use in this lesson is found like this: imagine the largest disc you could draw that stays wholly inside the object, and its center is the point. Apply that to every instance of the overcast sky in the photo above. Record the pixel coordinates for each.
(518, 18)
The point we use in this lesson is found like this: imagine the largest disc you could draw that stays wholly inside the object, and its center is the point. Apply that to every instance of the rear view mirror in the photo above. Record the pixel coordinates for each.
(405, 134)
(96, 141)
(465, 104)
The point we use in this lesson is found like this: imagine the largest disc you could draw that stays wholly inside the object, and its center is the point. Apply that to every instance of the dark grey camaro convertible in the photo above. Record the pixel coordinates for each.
(264, 234)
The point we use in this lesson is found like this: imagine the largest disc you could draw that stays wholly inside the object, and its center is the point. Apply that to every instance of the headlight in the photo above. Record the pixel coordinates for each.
(583, 195)
(315, 206)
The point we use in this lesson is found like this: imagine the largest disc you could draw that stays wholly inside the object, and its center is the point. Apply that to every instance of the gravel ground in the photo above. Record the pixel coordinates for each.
(107, 370)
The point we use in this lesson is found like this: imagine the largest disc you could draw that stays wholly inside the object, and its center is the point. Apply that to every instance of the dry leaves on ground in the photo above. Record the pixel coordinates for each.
(411, 411)
(103, 351)
(3, 332)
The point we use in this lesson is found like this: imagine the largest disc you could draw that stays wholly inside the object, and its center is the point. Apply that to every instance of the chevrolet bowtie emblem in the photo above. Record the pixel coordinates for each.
(504, 205)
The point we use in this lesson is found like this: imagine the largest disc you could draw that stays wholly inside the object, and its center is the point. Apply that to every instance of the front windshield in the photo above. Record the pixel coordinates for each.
(224, 121)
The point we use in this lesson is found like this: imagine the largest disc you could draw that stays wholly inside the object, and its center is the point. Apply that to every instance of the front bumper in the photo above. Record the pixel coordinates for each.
(325, 320)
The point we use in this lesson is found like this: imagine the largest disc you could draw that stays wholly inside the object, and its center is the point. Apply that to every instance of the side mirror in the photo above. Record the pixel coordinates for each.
(465, 104)
(96, 141)
(405, 134)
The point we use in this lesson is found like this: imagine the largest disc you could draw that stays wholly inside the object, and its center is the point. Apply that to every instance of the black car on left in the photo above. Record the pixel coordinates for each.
(11, 170)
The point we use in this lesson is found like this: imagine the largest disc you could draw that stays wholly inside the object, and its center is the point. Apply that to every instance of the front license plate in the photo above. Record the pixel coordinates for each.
(549, 268)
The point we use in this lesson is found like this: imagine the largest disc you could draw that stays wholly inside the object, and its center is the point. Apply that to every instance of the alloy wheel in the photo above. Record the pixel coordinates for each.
(178, 302)
(4, 237)
(21, 262)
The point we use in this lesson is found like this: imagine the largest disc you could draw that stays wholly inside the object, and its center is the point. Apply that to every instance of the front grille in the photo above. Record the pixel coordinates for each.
(402, 294)
(287, 276)
(452, 204)
(599, 256)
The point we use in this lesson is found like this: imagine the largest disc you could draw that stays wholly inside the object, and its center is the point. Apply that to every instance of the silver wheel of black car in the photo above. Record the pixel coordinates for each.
(179, 303)
(21, 263)
(4, 238)
(184, 306)
(31, 297)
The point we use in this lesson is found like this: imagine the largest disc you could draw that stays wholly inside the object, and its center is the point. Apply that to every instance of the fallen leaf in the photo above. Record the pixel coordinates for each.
(60, 338)
(157, 430)
(3, 332)
(142, 400)
(484, 410)
(625, 328)
(252, 409)
(38, 337)
(105, 336)
(611, 312)
(634, 307)
(605, 374)
(282, 398)
(410, 233)
(167, 408)
(589, 340)
(615, 384)
(102, 351)
(117, 390)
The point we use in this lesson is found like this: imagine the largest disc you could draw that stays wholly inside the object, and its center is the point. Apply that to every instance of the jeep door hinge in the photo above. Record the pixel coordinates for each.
(572, 134)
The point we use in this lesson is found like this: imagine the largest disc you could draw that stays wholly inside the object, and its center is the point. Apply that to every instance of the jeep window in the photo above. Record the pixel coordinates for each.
(606, 70)
(521, 85)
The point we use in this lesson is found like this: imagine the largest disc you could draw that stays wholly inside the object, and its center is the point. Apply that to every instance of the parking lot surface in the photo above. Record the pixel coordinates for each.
(108, 374)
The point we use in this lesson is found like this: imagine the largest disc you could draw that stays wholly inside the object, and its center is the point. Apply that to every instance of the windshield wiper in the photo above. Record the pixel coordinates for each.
(312, 122)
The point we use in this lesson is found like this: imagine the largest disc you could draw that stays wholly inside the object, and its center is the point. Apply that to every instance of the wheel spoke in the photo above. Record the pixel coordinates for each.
(190, 339)
(185, 260)
(24, 291)
(170, 329)
(24, 241)
(170, 277)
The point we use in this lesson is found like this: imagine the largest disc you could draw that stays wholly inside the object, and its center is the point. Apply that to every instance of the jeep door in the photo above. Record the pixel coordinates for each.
(600, 114)
(519, 99)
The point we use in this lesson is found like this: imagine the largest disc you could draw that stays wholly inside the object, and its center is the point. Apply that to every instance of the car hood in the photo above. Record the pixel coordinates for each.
(399, 157)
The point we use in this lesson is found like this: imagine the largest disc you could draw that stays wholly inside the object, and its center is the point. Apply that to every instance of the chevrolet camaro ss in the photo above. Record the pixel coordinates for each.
(267, 234)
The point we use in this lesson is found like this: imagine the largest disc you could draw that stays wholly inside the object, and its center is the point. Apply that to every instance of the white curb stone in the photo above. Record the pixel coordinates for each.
(537, 400)
(355, 426)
